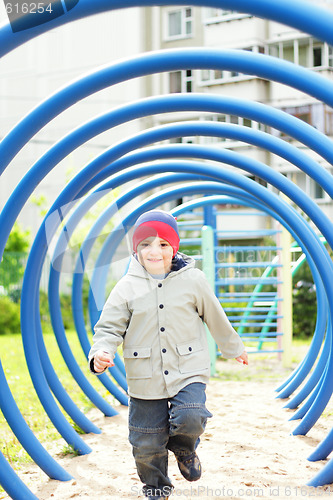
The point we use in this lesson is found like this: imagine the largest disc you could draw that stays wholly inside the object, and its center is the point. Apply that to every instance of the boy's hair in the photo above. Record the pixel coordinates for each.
(156, 223)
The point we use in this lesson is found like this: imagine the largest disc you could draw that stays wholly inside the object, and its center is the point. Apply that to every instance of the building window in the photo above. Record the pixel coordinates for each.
(304, 114)
(304, 52)
(317, 52)
(180, 81)
(288, 53)
(328, 121)
(233, 119)
(318, 115)
(316, 191)
(257, 179)
(310, 187)
(211, 76)
(182, 140)
(180, 23)
(273, 50)
(214, 77)
(330, 56)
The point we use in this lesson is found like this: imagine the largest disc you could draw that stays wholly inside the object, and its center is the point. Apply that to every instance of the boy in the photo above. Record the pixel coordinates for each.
(157, 310)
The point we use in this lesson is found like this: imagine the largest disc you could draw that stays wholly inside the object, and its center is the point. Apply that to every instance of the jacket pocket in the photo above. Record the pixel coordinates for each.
(192, 356)
(138, 362)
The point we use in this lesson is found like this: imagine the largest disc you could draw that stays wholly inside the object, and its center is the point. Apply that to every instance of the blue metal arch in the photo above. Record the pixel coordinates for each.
(33, 273)
(325, 476)
(99, 277)
(166, 60)
(95, 230)
(13, 206)
(301, 15)
(126, 197)
(277, 145)
(75, 185)
(136, 159)
(224, 156)
(255, 137)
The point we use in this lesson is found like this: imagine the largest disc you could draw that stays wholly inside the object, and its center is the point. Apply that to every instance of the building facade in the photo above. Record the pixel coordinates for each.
(37, 69)
(186, 26)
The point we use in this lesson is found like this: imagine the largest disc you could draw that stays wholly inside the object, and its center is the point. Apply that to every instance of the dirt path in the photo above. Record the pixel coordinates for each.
(246, 452)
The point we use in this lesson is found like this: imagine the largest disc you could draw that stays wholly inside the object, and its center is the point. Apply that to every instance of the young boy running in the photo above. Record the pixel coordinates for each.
(158, 310)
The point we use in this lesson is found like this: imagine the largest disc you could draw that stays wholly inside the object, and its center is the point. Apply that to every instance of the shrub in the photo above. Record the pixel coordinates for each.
(66, 311)
(304, 303)
(13, 262)
(9, 316)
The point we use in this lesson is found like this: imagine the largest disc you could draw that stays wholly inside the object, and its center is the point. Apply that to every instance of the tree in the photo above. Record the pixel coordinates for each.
(13, 261)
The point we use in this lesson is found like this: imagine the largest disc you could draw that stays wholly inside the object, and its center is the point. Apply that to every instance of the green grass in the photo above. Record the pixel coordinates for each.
(262, 367)
(19, 381)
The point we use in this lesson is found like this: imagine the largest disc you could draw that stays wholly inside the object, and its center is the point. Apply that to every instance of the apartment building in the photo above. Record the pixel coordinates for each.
(45, 64)
(176, 26)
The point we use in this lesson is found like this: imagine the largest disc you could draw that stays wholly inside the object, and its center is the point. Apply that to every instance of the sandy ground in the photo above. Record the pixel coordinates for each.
(247, 451)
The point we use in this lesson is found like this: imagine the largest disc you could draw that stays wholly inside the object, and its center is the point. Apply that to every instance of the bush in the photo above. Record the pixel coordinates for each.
(304, 303)
(66, 308)
(13, 261)
(66, 311)
(9, 316)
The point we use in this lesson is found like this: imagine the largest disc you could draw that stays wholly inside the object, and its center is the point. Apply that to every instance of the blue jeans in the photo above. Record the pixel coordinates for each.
(159, 425)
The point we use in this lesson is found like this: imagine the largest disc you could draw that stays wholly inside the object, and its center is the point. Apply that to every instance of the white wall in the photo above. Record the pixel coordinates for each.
(239, 33)
(42, 66)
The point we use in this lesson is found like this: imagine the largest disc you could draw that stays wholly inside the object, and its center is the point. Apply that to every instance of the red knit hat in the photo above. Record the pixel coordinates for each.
(156, 223)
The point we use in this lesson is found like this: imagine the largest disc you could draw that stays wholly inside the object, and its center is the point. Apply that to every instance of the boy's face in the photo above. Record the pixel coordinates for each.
(155, 254)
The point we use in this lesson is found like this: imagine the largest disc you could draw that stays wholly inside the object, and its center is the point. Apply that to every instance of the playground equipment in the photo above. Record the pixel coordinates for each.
(121, 163)
(239, 286)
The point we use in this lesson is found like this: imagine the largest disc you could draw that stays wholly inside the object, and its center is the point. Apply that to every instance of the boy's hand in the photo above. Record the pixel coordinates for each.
(102, 360)
(243, 358)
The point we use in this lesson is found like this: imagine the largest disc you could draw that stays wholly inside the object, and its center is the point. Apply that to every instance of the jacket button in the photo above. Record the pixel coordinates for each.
(161, 306)
(135, 353)
(162, 329)
(159, 285)
(190, 348)
(166, 372)
(164, 350)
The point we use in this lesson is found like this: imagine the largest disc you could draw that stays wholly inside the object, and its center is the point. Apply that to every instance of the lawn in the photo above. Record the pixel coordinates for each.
(265, 366)
(17, 374)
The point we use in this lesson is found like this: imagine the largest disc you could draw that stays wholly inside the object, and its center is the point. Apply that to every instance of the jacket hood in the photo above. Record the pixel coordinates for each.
(181, 261)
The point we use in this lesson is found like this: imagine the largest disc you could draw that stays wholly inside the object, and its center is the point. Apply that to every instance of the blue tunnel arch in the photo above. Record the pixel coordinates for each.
(250, 63)
(275, 10)
(299, 14)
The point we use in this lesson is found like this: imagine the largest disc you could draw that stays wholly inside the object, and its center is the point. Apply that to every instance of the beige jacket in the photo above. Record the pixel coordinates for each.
(160, 323)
